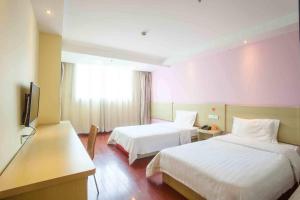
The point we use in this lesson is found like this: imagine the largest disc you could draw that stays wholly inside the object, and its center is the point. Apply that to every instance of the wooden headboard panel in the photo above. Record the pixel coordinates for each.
(162, 110)
(203, 111)
(289, 129)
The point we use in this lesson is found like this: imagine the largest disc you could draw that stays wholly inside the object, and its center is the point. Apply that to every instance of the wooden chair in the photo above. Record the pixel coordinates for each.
(91, 147)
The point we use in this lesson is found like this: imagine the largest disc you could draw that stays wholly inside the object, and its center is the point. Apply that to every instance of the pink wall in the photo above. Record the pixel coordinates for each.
(263, 73)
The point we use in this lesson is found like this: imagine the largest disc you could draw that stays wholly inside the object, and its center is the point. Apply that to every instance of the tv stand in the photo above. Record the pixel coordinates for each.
(52, 164)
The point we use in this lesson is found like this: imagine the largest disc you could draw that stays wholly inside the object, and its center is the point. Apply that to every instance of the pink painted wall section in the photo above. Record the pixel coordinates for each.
(263, 73)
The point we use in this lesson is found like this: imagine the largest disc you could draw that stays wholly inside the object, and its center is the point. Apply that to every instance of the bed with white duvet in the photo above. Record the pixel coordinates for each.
(151, 138)
(231, 167)
(145, 139)
(248, 164)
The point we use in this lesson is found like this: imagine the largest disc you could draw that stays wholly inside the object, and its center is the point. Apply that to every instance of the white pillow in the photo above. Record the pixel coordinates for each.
(185, 118)
(264, 130)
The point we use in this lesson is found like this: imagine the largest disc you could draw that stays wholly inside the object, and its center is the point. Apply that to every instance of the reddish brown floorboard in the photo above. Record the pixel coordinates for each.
(119, 181)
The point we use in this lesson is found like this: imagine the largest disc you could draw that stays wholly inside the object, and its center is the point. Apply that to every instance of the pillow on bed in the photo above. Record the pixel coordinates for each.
(264, 130)
(185, 118)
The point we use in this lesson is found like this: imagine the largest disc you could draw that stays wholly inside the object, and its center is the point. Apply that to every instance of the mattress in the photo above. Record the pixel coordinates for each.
(145, 139)
(229, 168)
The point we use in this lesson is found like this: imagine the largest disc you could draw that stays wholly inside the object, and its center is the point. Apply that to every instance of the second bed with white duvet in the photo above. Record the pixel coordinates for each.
(228, 168)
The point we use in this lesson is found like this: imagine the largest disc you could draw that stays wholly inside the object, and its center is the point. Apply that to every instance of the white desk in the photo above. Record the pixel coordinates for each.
(53, 164)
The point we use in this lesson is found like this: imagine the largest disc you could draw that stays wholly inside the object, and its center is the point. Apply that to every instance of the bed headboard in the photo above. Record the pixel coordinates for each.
(203, 111)
(289, 129)
(162, 110)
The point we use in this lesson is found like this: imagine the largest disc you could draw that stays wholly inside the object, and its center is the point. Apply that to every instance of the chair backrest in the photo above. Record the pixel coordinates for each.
(91, 141)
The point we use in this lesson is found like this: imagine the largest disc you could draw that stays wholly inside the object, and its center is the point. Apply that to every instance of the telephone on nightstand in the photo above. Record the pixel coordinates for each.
(206, 127)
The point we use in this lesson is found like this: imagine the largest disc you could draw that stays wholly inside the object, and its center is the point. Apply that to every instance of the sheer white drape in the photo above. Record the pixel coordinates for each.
(107, 97)
(145, 81)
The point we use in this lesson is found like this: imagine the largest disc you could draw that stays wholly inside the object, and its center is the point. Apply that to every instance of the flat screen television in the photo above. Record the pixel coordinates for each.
(31, 104)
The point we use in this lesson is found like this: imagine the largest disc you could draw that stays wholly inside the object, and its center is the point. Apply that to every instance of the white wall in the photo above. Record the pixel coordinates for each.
(18, 66)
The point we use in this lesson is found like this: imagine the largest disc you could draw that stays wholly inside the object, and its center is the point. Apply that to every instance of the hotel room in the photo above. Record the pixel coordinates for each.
(150, 100)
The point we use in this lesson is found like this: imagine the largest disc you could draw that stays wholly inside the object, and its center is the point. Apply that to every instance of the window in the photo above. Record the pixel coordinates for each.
(103, 83)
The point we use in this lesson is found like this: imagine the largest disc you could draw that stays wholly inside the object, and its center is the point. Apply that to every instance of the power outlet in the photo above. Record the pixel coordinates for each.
(213, 117)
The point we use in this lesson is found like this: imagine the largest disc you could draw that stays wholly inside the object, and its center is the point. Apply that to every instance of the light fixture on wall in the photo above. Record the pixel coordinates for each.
(245, 42)
(48, 12)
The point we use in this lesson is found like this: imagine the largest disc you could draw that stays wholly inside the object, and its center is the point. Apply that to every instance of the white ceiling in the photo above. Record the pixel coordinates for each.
(52, 23)
(177, 29)
(73, 57)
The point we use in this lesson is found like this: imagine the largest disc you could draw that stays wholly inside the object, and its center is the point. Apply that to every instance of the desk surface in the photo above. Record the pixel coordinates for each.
(53, 155)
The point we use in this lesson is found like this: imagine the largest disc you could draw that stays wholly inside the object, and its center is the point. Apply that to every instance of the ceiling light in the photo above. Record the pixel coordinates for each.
(245, 42)
(48, 12)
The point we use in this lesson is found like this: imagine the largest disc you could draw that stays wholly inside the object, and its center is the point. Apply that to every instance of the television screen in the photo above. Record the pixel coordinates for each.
(32, 104)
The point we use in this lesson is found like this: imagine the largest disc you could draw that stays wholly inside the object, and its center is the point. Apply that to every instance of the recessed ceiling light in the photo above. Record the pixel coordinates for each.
(48, 12)
(245, 42)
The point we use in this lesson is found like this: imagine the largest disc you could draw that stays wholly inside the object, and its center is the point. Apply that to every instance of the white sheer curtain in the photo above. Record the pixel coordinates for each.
(105, 96)
(145, 82)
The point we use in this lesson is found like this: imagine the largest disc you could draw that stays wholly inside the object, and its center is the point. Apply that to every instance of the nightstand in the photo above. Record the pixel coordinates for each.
(205, 134)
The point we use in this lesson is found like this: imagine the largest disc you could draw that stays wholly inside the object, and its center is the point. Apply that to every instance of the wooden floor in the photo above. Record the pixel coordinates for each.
(119, 181)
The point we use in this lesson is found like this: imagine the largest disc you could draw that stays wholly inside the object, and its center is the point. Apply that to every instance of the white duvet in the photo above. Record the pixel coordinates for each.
(230, 168)
(144, 139)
